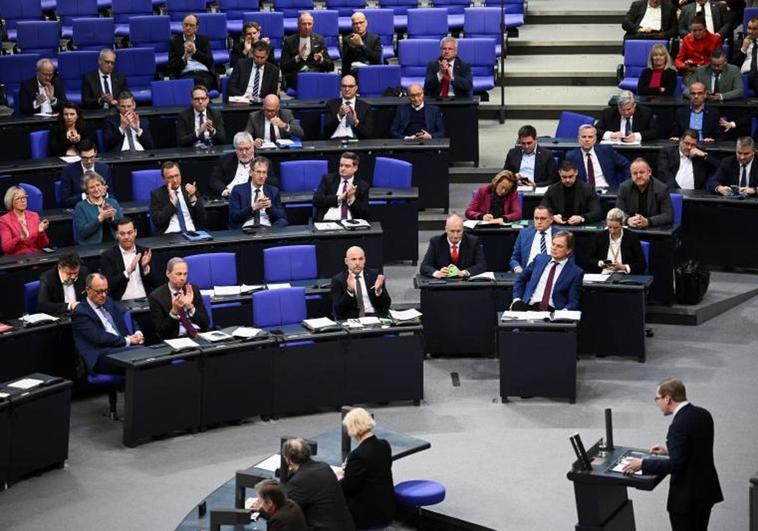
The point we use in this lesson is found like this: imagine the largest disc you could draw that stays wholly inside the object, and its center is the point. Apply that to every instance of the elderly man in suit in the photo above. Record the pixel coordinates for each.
(304, 51)
(98, 327)
(718, 20)
(176, 308)
(232, 169)
(449, 75)
(43, 93)
(272, 123)
(61, 288)
(534, 239)
(550, 282)
(572, 201)
(190, 56)
(359, 291)
(174, 208)
(454, 253)
(627, 121)
(533, 164)
(127, 265)
(739, 170)
(256, 203)
(72, 176)
(685, 166)
(417, 119)
(600, 166)
(650, 19)
(723, 81)
(200, 125)
(644, 198)
(348, 116)
(360, 48)
(255, 77)
(342, 196)
(127, 131)
(100, 87)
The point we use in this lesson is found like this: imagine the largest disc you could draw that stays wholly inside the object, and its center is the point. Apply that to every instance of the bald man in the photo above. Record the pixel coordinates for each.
(358, 291)
(416, 119)
(43, 93)
(272, 123)
(453, 254)
(190, 56)
(348, 116)
(360, 48)
(304, 51)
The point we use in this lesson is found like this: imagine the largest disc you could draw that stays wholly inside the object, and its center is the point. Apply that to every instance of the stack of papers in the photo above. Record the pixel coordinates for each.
(363, 321)
(226, 291)
(25, 383)
(321, 323)
(355, 224)
(280, 285)
(328, 225)
(244, 288)
(595, 277)
(214, 336)
(525, 316)
(181, 343)
(570, 315)
(405, 315)
(271, 463)
(487, 275)
(35, 318)
(246, 332)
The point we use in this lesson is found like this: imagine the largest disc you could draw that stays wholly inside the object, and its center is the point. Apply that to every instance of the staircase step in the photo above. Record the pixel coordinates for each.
(574, 70)
(553, 39)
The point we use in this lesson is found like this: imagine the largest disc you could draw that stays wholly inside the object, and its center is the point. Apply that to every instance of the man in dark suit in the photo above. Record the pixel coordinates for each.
(531, 163)
(617, 250)
(685, 166)
(699, 117)
(644, 199)
(72, 185)
(127, 131)
(358, 291)
(694, 487)
(127, 265)
(739, 171)
(533, 240)
(347, 116)
(233, 168)
(627, 122)
(100, 87)
(43, 93)
(272, 123)
(416, 119)
(200, 124)
(745, 50)
(342, 196)
(254, 77)
(599, 166)
(176, 308)
(256, 203)
(449, 75)
(360, 48)
(572, 202)
(718, 19)
(281, 514)
(190, 56)
(644, 14)
(304, 51)
(557, 287)
(62, 288)
(98, 327)
(453, 254)
(174, 208)
(314, 487)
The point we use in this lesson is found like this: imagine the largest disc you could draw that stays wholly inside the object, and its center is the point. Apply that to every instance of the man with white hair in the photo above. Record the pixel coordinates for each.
(627, 122)
(449, 75)
(43, 93)
(233, 168)
(101, 87)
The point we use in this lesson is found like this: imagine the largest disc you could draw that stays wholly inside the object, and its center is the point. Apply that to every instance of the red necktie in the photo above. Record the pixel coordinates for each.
(545, 302)
(445, 86)
(590, 171)
(454, 254)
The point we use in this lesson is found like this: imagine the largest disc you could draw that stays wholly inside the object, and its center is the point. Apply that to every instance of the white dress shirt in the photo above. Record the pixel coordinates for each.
(265, 221)
(614, 255)
(135, 136)
(251, 83)
(542, 284)
(367, 306)
(46, 107)
(335, 213)
(173, 225)
(207, 134)
(652, 18)
(685, 175)
(304, 41)
(600, 181)
(241, 176)
(527, 164)
(69, 292)
(135, 289)
(535, 250)
(745, 68)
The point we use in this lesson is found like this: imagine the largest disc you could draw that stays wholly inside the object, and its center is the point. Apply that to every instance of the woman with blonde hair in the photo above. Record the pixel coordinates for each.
(496, 202)
(659, 78)
(21, 231)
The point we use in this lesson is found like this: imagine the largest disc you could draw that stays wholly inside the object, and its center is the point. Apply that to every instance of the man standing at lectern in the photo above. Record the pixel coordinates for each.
(694, 486)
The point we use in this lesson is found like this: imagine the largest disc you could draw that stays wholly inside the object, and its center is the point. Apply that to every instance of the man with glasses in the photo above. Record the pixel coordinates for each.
(360, 48)
(257, 203)
(272, 123)
(255, 77)
(347, 116)
(200, 125)
(127, 265)
(533, 240)
(100, 87)
(73, 175)
(127, 131)
(176, 208)
(737, 174)
(685, 166)
(99, 329)
(572, 202)
(44, 93)
(416, 119)
(232, 169)
(61, 289)
(342, 196)
(190, 56)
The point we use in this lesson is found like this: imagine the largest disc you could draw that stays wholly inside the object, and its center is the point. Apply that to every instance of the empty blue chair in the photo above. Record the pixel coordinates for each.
(38, 36)
(301, 175)
(676, 201)
(68, 10)
(392, 173)
(427, 23)
(326, 24)
(272, 26)
(480, 54)
(455, 9)
(172, 93)
(33, 197)
(414, 54)
(143, 183)
(212, 269)
(122, 10)
(482, 22)
(151, 32)
(569, 122)
(373, 80)
(279, 307)
(292, 262)
(94, 33)
(419, 493)
(138, 65)
(381, 22)
(514, 11)
(213, 26)
(400, 11)
(646, 253)
(234, 10)
(71, 68)
(31, 292)
(317, 85)
(178, 9)
(345, 9)
(635, 61)
(38, 141)
(15, 11)
(291, 9)
(14, 69)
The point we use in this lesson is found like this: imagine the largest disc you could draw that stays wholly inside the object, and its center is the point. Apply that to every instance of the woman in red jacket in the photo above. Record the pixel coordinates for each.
(21, 231)
(496, 202)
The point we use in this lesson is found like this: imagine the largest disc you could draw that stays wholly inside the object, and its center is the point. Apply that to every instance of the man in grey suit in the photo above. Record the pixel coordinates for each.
(645, 199)
(717, 18)
(722, 81)
(272, 123)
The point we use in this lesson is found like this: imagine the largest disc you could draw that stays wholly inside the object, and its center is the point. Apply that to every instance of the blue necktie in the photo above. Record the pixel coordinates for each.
(109, 318)
(180, 211)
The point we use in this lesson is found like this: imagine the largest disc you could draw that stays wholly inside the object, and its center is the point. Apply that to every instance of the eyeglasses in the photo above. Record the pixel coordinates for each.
(541, 218)
(20, 198)
(99, 291)
(348, 86)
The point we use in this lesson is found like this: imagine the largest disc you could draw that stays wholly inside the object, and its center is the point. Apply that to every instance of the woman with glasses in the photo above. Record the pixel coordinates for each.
(21, 230)
(617, 250)
(96, 211)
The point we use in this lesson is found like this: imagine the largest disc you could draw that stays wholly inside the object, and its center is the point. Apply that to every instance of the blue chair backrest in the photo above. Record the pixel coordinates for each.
(392, 173)
(123, 9)
(208, 309)
(94, 33)
(234, 9)
(635, 55)
(178, 9)
(646, 253)
(213, 26)
(381, 22)
(373, 80)
(73, 65)
(67, 10)
(427, 23)
(479, 53)
(291, 8)
(31, 292)
(317, 85)
(14, 11)
(676, 201)
(293, 262)
(212, 269)
(569, 122)
(414, 54)
(302, 175)
(138, 65)
(172, 93)
(453, 7)
(144, 182)
(346, 8)
(33, 197)
(39, 143)
(152, 31)
(279, 307)
(38, 36)
(399, 7)
(749, 13)
(481, 22)
(326, 24)
(57, 193)
(272, 25)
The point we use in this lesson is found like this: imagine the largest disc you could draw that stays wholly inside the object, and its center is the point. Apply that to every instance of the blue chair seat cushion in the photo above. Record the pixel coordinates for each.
(419, 493)
(629, 83)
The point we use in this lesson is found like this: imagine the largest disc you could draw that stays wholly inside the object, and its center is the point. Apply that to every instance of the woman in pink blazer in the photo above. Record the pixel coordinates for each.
(496, 202)
(21, 231)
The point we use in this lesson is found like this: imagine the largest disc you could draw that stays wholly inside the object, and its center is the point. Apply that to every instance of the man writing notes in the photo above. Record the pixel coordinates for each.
(272, 123)
(453, 254)
(358, 291)
(176, 308)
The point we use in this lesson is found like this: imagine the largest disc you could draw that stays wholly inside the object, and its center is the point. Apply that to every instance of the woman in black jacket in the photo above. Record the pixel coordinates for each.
(659, 78)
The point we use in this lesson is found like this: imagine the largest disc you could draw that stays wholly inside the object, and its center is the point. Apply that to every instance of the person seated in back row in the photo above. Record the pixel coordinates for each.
(627, 122)
(449, 75)
(255, 77)
(416, 119)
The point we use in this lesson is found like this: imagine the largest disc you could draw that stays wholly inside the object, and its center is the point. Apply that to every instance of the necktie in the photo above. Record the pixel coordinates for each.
(191, 332)
(716, 83)
(543, 243)
(545, 302)
(454, 254)
(445, 86)
(257, 83)
(180, 211)
(743, 177)
(106, 87)
(628, 127)
(109, 318)
(590, 171)
(359, 297)
(754, 59)
(272, 132)
(130, 139)
(343, 206)
(256, 213)
(349, 119)
(200, 122)
(700, 10)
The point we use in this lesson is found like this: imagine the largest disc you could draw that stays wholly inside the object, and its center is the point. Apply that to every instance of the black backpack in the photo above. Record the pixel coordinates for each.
(692, 281)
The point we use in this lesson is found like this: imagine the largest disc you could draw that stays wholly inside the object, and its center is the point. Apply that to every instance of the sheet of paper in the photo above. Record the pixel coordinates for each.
(244, 288)
(180, 343)
(25, 383)
(70, 159)
(38, 318)
(246, 332)
(318, 323)
(594, 277)
(207, 292)
(280, 285)
(489, 275)
(271, 463)
(238, 99)
(405, 315)
(618, 142)
(574, 315)
(369, 321)
(540, 190)
(285, 142)
(470, 223)
(355, 223)
(621, 464)
(525, 316)
(353, 323)
(214, 336)
(524, 188)
(226, 291)
(4, 395)
(328, 225)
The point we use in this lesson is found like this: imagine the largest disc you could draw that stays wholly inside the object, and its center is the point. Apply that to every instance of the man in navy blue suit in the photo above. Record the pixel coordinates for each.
(600, 166)
(417, 120)
(699, 117)
(551, 282)
(449, 75)
(98, 327)
(530, 239)
(256, 201)
(694, 487)
(72, 186)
